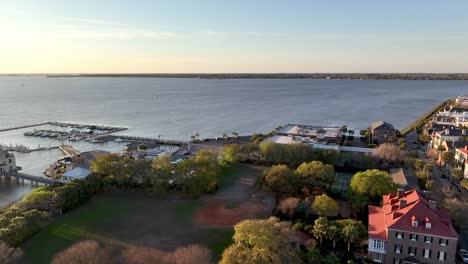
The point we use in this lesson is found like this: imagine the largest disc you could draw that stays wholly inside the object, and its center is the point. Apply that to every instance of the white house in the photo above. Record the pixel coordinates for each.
(77, 173)
(7, 162)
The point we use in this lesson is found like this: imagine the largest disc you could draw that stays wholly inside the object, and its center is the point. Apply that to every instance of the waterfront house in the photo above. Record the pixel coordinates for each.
(461, 157)
(453, 116)
(7, 162)
(326, 135)
(382, 132)
(462, 101)
(409, 228)
(77, 173)
(450, 133)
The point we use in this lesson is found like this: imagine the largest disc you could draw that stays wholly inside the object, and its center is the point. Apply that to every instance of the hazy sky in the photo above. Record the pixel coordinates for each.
(112, 36)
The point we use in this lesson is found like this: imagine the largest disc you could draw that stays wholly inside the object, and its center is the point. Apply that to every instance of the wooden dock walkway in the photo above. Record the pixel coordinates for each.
(32, 178)
(133, 139)
(69, 151)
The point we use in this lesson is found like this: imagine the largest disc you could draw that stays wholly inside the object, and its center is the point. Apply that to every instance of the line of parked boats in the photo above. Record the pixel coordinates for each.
(74, 135)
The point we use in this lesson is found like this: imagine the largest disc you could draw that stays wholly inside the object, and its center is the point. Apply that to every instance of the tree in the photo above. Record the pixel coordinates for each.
(331, 259)
(316, 174)
(464, 183)
(353, 231)
(390, 153)
(9, 255)
(288, 206)
(88, 251)
(448, 158)
(193, 254)
(320, 228)
(235, 135)
(199, 174)
(344, 129)
(458, 174)
(333, 232)
(419, 164)
(323, 205)
(162, 174)
(441, 149)
(261, 242)
(280, 179)
(369, 186)
(231, 154)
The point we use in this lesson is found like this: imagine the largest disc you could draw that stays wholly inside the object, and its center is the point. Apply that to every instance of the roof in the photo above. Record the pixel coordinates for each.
(405, 180)
(463, 150)
(310, 131)
(78, 173)
(376, 227)
(380, 123)
(452, 132)
(399, 216)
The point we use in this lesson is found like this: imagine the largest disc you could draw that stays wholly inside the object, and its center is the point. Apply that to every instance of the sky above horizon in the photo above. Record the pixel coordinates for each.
(266, 36)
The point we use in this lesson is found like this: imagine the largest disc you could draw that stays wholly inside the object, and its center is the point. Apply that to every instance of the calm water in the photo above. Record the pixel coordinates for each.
(176, 108)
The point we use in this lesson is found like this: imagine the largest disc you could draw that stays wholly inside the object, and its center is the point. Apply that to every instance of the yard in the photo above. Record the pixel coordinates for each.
(138, 219)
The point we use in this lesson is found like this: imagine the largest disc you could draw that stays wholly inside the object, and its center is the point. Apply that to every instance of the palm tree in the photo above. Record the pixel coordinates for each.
(235, 135)
(441, 149)
(225, 136)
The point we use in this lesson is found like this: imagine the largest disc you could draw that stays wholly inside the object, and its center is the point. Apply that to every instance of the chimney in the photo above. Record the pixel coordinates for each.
(447, 131)
(401, 193)
(402, 203)
(432, 204)
(464, 132)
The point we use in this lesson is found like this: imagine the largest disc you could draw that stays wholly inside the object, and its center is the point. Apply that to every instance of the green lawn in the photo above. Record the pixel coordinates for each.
(129, 218)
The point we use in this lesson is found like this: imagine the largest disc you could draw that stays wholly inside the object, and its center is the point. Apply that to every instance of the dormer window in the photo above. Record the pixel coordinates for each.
(428, 223)
(414, 222)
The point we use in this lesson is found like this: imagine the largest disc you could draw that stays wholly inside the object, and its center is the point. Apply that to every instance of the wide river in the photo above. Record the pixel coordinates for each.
(176, 108)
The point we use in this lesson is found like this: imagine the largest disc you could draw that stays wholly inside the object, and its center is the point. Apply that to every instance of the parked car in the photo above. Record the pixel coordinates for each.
(463, 255)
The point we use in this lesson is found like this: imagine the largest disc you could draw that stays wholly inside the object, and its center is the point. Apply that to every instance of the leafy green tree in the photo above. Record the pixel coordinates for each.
(353, 231)
(333, 232)
(162, 174)
(458, 174)
(448, 157)
(441, 149)
(199, 174)
(235, 135)
(231, 154)
(320, 228)
(73, 194)
(316, 174)
(261, 242)
(312, 256)
(323, 205)
(281, 180)
(331, 259)
(419, 164)
(17, 226)
(369, 186)
(464, 183)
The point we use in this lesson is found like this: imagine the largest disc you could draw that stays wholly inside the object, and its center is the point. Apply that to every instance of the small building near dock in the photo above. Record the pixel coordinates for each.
(77, 173)
(7, 162)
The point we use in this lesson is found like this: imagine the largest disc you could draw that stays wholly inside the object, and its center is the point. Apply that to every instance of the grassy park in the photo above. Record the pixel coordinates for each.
(129, 218)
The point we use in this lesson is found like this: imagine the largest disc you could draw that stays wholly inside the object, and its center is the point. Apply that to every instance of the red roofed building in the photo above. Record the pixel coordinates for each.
(408, 228)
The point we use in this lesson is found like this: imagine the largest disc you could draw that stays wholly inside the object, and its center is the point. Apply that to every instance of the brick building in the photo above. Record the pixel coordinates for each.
(409, 229)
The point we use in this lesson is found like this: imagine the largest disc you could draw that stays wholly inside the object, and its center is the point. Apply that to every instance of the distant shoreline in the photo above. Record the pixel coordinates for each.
(318, 76)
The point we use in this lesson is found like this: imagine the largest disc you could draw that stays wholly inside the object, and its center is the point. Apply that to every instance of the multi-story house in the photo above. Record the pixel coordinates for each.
(409, 229)
(448, 134)
(382, 132)
(7, 162)
(461, 158)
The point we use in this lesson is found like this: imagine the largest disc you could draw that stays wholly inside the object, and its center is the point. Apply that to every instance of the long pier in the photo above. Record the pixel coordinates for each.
(26, 126)
(143, 140)
(35, 180)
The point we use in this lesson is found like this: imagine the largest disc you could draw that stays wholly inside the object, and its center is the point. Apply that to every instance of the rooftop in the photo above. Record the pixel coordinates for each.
(406, 180)
(310, 131)
(380, 123)
(401, 209)
(78, 173)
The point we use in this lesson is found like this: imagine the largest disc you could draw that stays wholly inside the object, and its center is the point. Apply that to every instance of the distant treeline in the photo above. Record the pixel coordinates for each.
(346, 76)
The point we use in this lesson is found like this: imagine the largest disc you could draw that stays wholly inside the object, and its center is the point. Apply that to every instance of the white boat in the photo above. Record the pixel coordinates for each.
(119, 140)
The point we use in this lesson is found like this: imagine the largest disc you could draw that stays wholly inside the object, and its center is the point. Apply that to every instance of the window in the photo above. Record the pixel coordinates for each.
(413, 237)
(428, 239)
(399, 235)
(443, 242)
(378, 257)
(427, 253)
(396, 261)
(412, 251)
(9, 161)
(398, 249)
(442, 255)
